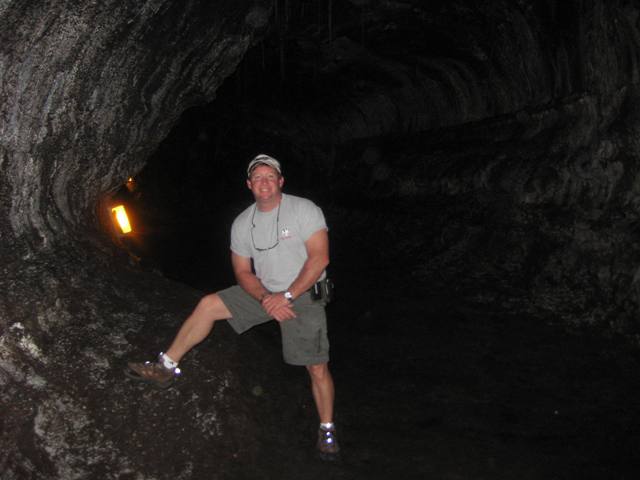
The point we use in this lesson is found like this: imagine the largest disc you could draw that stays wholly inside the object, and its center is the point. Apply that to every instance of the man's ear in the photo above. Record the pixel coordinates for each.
(281, 182)
(249, 184)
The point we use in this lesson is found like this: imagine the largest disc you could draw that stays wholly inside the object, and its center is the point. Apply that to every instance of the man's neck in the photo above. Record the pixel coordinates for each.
(269, 205)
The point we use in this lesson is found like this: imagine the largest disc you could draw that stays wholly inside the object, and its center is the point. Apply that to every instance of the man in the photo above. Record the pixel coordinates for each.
(286, 238)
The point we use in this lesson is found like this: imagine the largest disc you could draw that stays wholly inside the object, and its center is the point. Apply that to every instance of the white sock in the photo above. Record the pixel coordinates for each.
(167, 361)
(327, 426)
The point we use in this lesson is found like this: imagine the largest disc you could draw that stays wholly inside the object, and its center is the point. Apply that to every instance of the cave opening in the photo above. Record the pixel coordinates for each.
(193, 185)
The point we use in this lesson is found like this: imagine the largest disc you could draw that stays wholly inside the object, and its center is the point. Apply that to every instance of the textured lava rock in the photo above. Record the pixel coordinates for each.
(86, 92)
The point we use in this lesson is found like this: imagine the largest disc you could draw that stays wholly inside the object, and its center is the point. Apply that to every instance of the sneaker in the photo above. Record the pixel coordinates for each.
(328, 444)
(154, 373)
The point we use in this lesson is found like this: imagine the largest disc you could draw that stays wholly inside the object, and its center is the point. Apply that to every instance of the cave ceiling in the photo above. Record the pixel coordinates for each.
(391, 68)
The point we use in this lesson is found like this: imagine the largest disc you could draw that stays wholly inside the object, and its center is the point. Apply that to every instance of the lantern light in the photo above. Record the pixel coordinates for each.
(121, 217)
(131, 184)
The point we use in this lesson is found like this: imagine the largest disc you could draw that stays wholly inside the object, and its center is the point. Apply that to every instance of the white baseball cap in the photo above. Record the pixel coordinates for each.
(263, 159)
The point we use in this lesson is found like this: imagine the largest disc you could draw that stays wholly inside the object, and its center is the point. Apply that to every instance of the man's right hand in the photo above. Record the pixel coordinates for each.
(278, 307)
(284, 313)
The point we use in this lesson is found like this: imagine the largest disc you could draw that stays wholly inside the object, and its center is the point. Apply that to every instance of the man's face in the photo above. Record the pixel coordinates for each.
(265, 183)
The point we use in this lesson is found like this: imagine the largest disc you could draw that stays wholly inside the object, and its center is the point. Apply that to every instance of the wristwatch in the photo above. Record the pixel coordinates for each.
(288, 295)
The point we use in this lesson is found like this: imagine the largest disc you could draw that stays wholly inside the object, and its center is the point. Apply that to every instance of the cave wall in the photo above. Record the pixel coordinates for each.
(419, 67)
(88, 90)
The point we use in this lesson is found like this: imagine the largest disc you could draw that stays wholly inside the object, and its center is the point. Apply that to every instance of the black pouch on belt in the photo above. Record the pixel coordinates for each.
(322, 290)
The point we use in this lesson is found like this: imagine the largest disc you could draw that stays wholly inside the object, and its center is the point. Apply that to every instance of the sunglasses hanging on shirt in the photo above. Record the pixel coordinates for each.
(253, 226)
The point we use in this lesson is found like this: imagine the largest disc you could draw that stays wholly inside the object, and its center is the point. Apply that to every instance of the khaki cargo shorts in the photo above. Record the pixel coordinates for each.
(304, 338)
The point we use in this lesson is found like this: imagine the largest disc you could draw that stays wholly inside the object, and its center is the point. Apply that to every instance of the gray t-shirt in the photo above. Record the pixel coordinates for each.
(289, 225)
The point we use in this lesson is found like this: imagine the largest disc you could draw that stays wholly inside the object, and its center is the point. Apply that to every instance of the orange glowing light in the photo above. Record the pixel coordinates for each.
(131, 184)
(122, 218)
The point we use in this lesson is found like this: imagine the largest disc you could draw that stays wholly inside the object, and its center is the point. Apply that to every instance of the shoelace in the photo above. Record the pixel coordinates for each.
(327, 436)
(157, 365)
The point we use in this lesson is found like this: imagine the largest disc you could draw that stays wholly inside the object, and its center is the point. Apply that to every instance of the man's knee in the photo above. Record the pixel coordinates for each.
(318, 372)
(214, 308)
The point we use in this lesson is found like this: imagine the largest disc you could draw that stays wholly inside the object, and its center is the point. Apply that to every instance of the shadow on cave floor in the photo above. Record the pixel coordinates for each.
(429, 389)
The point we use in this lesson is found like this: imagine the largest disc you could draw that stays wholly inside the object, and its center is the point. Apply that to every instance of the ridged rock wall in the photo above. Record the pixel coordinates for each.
(87, 91)
(441, 65)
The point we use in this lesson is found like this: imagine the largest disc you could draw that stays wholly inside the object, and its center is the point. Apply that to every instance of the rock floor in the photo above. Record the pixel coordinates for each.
(428, 389)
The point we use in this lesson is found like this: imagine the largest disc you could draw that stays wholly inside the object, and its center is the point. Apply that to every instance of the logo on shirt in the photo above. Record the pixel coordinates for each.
(285, 233)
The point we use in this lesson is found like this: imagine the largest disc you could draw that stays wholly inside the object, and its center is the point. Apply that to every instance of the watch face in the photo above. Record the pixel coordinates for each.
(288, 295)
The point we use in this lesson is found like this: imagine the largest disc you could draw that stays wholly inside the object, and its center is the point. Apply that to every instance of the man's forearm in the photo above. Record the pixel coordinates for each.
(252, 285)
(311, 271)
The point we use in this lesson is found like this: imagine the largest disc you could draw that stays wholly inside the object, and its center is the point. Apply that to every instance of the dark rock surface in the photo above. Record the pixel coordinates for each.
(479, 158)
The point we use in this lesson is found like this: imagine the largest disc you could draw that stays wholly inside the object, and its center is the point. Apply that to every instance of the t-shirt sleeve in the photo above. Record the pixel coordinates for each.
(239, 243)
(311, 219)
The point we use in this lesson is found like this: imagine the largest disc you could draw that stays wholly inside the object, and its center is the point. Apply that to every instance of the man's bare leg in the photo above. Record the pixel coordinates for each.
(323, 394)
(323, 390)
(194, 329)
(198, 325)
